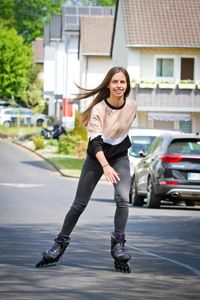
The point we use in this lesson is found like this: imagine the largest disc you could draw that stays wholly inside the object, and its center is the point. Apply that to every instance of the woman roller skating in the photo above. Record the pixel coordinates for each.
(108, 119)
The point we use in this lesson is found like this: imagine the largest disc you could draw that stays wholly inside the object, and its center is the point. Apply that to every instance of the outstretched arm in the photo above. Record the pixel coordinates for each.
(110, 174)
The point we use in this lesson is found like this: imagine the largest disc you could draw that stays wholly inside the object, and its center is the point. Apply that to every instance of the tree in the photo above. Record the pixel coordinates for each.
(107, 2)
(32, 96)
(28, 16)
(15, 63)
(7, 12)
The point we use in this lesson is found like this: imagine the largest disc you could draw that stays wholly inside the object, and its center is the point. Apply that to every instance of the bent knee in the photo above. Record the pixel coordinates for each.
(79, 206)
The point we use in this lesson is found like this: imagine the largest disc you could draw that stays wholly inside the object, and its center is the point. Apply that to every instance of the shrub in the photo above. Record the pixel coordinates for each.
(81, 149)
(67, 143)
(51, 120)
(38, 140)
(79, 130)
(52, 142)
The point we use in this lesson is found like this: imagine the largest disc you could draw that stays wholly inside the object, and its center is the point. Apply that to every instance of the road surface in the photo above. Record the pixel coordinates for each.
(164, 243)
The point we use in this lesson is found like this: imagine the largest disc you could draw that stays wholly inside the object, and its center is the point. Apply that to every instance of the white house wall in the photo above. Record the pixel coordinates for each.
(49, 68)
(134, 62)
(49, 71)
(54, 68)
(73, 75)
(54, 63)
(147, 66)
(72, 66)
(59, 69)
(98, 66)
(142, 62)
(120, 51)
(93, 71)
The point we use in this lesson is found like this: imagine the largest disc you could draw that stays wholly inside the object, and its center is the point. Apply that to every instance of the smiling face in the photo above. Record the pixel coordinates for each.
(117, 85)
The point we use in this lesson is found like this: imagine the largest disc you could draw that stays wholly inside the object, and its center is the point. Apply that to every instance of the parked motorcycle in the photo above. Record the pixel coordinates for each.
(57, 131)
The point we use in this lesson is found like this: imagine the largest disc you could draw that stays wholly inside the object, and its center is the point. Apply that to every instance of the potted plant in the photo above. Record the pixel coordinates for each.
(147, 84)
(133, 84)
(167, 85)
(198, 85)
(187, 84)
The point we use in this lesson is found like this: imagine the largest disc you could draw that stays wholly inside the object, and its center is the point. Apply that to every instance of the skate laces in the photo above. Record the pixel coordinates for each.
(119, 248)
(56, 248)
(118, 244)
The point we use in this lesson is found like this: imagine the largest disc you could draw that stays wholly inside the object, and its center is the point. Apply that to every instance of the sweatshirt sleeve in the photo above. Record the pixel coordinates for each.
(95, 131)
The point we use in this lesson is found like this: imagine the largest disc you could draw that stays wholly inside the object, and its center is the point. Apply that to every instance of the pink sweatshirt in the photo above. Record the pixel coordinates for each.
(108, 128)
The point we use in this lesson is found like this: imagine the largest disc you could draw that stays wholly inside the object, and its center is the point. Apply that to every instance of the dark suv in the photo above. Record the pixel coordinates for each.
(170, 170)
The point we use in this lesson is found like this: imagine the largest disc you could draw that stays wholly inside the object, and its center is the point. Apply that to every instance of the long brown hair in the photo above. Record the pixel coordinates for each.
(102, 92)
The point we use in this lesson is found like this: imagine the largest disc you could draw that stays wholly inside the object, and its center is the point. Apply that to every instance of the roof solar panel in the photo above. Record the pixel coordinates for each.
(71, 14)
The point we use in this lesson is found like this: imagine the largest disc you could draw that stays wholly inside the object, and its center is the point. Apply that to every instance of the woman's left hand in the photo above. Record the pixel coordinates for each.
(110, 174)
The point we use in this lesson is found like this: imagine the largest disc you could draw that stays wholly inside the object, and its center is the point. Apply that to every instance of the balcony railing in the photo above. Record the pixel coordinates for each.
(182, 85)
(168, 98)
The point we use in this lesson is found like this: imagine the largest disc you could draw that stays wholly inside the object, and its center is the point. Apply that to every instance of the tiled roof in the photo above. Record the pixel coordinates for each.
(96, 34)
(38, 50)
(162, 22)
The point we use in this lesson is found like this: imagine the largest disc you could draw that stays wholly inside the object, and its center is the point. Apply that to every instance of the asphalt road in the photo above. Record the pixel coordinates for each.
(164, 243)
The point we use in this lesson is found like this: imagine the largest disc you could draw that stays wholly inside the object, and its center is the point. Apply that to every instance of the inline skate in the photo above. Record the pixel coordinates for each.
(54, 253)
(119, 253)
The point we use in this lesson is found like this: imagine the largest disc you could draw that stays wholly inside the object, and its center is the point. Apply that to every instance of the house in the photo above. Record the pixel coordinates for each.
(94, 50)
(61, 62)
(158, 41)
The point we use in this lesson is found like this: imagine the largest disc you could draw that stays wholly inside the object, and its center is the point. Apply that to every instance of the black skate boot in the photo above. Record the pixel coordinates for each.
(55, 252)
(119, 253)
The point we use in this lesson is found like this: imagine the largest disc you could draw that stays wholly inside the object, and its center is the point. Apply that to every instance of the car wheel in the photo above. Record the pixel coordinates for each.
(190, 202)
(7, 124)
(153, 200)
(136, 199)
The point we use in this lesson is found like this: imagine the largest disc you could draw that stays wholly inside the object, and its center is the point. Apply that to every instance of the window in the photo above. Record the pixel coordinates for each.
(185, 146)
(140, 143)
(186, 126)
(187, 68)
(165, 67)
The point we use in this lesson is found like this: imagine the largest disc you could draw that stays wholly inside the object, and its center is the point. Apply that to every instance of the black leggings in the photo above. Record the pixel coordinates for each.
(90, 175)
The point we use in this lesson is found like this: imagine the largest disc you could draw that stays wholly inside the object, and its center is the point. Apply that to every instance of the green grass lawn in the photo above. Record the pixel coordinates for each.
(69, 165)
(17, 131)
(68, 162)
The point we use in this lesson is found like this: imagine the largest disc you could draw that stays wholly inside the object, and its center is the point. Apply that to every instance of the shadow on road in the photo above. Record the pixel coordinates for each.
(195, 208)
(39, 164)
(102, 200)
(87, 270)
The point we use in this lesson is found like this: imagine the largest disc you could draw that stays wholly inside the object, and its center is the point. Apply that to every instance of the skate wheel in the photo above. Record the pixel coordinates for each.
(122, 266)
